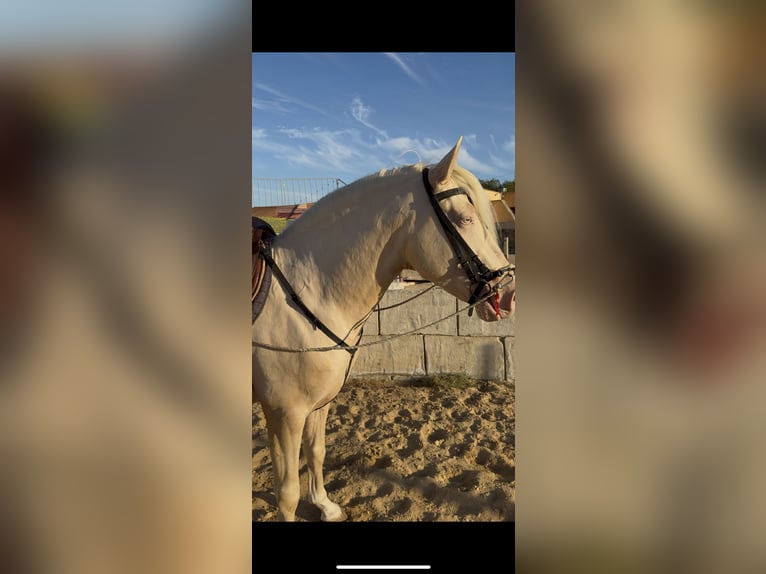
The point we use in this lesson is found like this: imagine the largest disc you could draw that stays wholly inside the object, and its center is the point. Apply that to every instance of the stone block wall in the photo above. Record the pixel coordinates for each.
(460, 344)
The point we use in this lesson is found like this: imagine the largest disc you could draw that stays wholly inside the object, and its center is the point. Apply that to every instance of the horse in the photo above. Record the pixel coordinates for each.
(333, 265)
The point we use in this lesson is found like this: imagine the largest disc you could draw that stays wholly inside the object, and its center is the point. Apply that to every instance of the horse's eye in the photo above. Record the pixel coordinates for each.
(466, 220)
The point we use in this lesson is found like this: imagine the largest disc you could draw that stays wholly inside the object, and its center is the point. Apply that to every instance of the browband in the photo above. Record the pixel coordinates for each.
(450, 192)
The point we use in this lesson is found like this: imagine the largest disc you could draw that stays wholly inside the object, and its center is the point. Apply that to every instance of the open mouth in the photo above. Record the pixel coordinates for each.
(498, 306)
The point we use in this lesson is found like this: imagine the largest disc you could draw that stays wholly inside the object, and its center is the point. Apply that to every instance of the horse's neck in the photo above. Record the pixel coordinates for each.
(344, 253)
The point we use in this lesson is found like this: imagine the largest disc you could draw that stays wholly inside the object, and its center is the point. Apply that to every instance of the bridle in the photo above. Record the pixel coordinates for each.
(477, 272)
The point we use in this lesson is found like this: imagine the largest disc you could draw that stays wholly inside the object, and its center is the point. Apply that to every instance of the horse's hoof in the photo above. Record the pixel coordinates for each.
(338, 516)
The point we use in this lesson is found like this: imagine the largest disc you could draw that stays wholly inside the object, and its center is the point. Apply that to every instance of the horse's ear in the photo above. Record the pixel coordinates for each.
(442, 170)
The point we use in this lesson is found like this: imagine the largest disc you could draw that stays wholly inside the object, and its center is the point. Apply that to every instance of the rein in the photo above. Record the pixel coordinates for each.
(265, 253)
(354, 348)
(377, 306)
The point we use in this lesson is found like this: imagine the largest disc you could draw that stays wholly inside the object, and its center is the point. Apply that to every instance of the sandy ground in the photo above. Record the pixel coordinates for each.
(402, 451)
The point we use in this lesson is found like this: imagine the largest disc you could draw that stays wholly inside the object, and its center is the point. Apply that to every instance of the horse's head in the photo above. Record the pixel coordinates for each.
(455, 242)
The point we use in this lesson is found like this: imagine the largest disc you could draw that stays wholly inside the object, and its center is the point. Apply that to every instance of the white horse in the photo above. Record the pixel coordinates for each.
(338, 259)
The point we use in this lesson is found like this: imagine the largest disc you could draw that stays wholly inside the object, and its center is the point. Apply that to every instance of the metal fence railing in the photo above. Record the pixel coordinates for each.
(268, 191)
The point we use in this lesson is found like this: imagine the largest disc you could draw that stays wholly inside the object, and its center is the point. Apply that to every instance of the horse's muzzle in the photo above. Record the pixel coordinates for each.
(501, 305)
(508, 302)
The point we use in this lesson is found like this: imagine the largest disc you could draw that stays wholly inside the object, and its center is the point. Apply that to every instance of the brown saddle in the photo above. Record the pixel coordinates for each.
(262, 233)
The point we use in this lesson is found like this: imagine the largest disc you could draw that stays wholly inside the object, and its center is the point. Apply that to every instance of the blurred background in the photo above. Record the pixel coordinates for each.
(125, 402)
(641, 316)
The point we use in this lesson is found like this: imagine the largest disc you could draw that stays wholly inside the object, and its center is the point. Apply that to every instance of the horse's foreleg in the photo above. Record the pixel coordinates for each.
(314, 448)
(285, 446)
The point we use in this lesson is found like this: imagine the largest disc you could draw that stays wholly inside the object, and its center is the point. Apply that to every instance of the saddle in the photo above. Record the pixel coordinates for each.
(262, 234)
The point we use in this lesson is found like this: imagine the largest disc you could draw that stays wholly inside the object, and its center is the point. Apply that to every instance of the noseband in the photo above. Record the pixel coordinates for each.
(477, 272)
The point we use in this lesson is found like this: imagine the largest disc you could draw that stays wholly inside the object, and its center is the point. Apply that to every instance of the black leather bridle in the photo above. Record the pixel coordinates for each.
(477, 272)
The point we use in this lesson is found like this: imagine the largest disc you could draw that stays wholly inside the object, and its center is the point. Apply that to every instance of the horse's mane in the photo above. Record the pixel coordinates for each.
(467, 181)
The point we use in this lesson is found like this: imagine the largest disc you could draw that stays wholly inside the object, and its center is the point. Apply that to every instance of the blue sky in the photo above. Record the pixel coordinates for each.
(347, 115)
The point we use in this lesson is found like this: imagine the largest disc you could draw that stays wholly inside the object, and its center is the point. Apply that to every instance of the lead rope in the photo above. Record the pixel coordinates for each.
(395, 305)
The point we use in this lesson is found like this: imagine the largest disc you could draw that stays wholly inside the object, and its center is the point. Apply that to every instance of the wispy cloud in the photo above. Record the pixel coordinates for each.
(405, 68)
(346, 153)
(333, 148)
(478, 167)
(506, 160)
(287, 99)
(505, 163)
(326, 151)
(269, 105)
(431, 151)
(360, 112)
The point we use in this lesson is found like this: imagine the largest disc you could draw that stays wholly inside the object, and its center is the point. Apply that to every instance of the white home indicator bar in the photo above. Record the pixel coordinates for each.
(383, 567)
